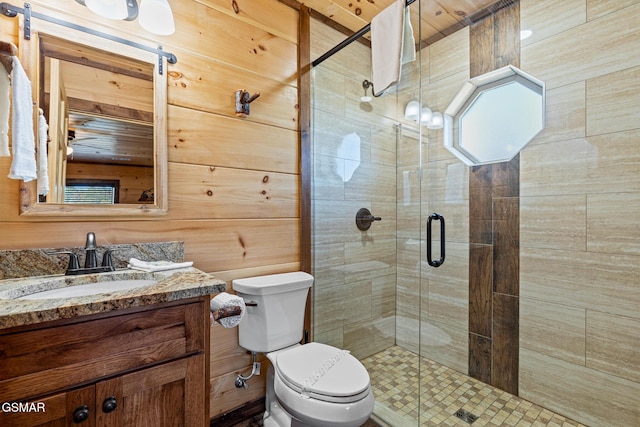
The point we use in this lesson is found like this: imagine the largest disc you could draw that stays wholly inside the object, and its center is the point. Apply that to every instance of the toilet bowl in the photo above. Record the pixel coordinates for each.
(314, 384)
(319, 385)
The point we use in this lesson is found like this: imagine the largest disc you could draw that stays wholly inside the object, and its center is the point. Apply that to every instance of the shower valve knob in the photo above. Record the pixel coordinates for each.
(364, 219)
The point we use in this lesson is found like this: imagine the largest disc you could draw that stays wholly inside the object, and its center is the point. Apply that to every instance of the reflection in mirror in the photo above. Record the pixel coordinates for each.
(100, 111)
(105, 104)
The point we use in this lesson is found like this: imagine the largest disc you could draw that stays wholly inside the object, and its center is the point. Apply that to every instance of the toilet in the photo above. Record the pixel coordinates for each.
(313, 384)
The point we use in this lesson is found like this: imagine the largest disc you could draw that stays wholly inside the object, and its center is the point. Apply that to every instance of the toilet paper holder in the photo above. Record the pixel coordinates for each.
(221, 313)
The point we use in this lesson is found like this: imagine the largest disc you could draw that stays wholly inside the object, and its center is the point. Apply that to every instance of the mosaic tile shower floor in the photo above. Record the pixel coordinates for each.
(395, 378)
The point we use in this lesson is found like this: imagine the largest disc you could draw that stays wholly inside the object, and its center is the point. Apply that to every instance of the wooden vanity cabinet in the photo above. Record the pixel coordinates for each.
(146, 366)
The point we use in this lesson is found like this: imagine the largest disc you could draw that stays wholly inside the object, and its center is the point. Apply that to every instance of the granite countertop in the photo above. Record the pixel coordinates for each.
(172, 285)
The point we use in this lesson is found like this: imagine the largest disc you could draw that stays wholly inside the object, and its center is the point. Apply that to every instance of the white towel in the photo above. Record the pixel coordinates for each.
(151, 266)
(23, 165)
(225, 300)
(5, 89)
(43, 174)
(408, 40)
(392, 44)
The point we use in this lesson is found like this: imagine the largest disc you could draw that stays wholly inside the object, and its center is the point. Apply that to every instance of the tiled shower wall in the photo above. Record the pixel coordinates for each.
(580, 213)
(579, 200)
(354, 166)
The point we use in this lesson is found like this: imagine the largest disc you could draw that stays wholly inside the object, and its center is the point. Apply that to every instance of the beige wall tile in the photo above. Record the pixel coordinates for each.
(383, 296)
(329, 88)
(552, 329)
(408, 332)
(334, 221)
(448, 303)
(372, 181)
(408, 297)
(410, 150)
(409, 224)
(612, 223)
(546, 18)
(596, 164)
(445, 344)
(455, 268)
(449, 55)
(355, 59)
(613, 101)
(328, 185)
(327, 258)
(613, 344)
(366, 259)
(599, 8)
(332, 337)
(598, 47)
(557, 222)
(565, 114)
(366, 338)
(585, 395)
(446, 181)
(338, 306)
(590, 280)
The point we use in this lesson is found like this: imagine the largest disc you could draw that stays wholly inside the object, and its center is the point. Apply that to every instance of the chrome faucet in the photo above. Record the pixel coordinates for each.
(90, 260)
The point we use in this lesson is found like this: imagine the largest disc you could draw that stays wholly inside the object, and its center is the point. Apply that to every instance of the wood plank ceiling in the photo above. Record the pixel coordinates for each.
(435, 18)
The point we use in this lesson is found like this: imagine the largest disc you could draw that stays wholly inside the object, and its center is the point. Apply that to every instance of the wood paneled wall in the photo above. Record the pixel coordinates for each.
(233, 183)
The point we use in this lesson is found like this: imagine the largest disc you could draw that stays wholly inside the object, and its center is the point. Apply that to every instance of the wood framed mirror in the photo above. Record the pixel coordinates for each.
(105, 104)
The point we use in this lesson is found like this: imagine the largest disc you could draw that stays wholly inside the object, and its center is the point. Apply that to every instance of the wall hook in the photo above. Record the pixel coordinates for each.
(243, 99)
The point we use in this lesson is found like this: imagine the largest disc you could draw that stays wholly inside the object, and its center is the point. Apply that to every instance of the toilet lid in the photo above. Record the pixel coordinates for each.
(323, 372)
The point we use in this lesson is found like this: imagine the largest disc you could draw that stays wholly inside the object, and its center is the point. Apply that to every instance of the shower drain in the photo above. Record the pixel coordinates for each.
(465, 416)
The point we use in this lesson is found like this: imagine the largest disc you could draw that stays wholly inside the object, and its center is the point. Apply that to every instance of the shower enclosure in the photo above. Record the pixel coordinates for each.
(375, 292)
(538, 292)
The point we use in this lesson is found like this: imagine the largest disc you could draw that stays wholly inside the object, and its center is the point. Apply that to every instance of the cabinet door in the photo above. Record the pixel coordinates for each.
(168, 395)
(71, 408)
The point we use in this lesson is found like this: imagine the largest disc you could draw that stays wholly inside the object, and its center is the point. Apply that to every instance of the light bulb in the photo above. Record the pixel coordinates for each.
(425, 116)
(156, 17)
(437, 121)
(412, 110)
(110, 9)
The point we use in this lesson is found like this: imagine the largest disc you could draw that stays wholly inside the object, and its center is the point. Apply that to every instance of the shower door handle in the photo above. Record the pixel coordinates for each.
(439, 262)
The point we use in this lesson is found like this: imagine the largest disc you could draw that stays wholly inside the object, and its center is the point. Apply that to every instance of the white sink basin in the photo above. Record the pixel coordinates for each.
(90, 289)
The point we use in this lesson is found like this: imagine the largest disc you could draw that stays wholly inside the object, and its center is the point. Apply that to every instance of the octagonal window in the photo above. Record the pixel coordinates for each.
(494, 116)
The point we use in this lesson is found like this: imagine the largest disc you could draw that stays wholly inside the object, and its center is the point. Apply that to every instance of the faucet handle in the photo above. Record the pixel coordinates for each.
(107, 260)
(74, 264)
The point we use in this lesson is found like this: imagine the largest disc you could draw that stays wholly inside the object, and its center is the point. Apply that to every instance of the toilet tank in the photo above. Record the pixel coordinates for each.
(276, 320)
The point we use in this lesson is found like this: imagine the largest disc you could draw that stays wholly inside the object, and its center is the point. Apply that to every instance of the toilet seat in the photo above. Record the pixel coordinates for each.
(323, 372)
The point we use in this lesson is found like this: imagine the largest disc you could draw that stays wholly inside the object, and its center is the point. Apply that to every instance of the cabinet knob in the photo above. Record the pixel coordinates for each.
(109, 405)
(81, 414)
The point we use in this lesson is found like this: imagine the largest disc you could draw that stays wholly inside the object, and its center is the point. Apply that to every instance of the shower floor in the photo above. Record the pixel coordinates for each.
(443, 391)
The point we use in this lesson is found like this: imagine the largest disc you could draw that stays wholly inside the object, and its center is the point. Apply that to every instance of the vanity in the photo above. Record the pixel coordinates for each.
(132, 357)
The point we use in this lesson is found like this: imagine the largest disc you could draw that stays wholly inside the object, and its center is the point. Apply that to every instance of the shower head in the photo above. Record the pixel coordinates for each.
(365, 86)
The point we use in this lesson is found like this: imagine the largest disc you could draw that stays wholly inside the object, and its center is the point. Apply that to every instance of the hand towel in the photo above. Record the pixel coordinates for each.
(23, 165)
(408, 40)
(225, 301)
(43, 169)
(151, 266)
(391, 39)
(5, 91)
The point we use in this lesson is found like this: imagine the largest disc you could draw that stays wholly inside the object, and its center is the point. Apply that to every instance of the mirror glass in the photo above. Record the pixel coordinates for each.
(106, 138)
(494, 116)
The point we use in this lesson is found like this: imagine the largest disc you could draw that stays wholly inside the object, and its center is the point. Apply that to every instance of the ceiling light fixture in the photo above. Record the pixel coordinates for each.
(155, 15)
